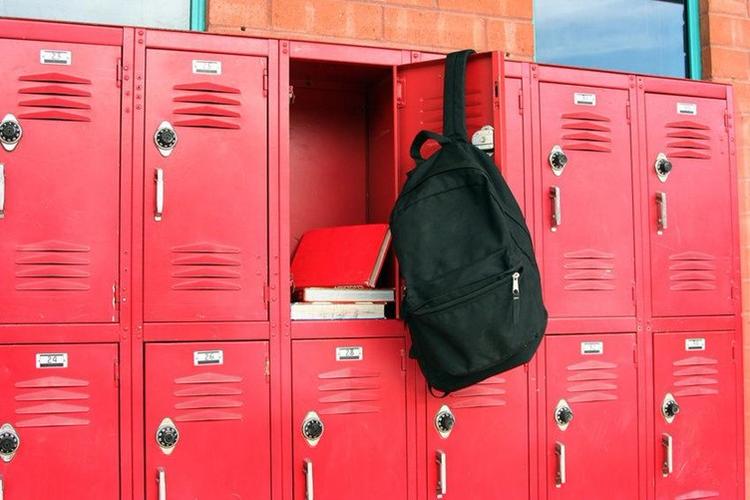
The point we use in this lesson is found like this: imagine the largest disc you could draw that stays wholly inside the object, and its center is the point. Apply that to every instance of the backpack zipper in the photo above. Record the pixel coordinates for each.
(516, 296)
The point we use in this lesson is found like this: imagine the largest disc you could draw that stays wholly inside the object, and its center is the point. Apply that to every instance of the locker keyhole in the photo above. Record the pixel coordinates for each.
(445, 422)
(313, 429)
(166, 138)
(557, 160)
(10, 132)
(167, 437)
(663, 166)
(671, 409)
(9, 442)
(564, 416)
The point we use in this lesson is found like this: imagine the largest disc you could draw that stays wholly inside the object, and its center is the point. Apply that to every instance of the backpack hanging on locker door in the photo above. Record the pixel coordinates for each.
(473, 302)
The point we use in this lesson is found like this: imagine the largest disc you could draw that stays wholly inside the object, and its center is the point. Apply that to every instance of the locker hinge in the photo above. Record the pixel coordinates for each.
(627, 111)
(115, 301)
(734, 356)
(119, 73)
(726, 119)
(267, 369)
(117, 373)
(266, 294)
(292, 97)
(496, 91)
(520, 101)
(400, 93)
(265, 82)
(635, 355)
(403, 360)
(632, 292)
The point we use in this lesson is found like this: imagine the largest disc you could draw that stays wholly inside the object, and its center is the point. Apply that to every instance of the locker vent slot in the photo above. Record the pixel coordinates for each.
(487, 393)
(208, 398)
(213, 113)
(592, 381)
(349, 391)
(52, 266)
(206, 267)
(43, 402)
(695, 376)
(54, 86)
(589, 270)
(697, 495)
(431, 114)
(692, 271)
(586, 131)
(686, 140)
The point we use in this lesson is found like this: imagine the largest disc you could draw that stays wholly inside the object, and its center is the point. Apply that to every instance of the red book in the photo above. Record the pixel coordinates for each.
(343, 256)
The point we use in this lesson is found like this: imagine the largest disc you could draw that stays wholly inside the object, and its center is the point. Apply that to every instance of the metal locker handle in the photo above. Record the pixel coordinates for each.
(2, 494)
(661, 222)
(554, 193)
(442, 486)
(309, 480)
(159, 178)
(2, 205)
(162, 480)
(668, 465)
(561, 474)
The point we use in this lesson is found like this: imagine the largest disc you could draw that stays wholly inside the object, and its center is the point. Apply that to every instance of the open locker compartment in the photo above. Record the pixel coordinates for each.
(342, 150)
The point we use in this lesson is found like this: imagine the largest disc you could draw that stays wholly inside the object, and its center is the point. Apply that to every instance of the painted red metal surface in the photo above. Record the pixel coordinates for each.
(486, 450)
(64, 408)
(206, 248)
(594, 376)
(697, 371)
(357, 389)
(59, 234)
(216, 395)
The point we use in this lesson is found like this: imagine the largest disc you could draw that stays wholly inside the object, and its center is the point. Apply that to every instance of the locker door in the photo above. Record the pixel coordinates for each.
(58, 409)
(695, 404)
(420, 102)
(205, 187)
(480, 437)
(349, 419)
(587, 203)
(59, 182)
(207, 421)
(691, 256)
(592, 417)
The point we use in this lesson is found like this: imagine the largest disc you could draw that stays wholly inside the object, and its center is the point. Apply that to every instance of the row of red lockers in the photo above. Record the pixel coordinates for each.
(145, 340)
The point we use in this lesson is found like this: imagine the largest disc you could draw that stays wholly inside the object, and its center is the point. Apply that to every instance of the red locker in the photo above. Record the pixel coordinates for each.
(591, 417)
(585, 194)
(59, 422)
(205, 199)
(516, 152)
(349, 419)
(477, 440)
(696, 426)
(59, 182)
(207, 421)
(690, 206)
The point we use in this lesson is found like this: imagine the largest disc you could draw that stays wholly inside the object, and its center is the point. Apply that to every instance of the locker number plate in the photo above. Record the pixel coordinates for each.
(201, 358)
(695, 344)
(62, 57)
(201, 67)
(592, 347)
(350, 354)
(584, 99)
(687, 108)
(52, 360)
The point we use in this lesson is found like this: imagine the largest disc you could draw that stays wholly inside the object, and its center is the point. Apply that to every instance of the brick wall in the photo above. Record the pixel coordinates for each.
(437, 25)
(725, 34)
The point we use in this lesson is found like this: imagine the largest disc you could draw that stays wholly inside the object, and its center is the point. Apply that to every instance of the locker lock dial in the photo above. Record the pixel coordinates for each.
(10, 132)
(165, 138)
(663, 166)
(9, 442)
(312, 428)
(563, 414)
(557, 160)
(669, 408)
(444, 421)
(167, 436)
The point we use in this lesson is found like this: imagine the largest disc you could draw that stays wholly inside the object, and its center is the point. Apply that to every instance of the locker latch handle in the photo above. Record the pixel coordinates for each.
(161, 478)
(442, 485)
(2, 194)
(668, 464)
(309, 480)
(2, 488)
(661, 222)
(561, 474)
(554, 193)
(159, 179)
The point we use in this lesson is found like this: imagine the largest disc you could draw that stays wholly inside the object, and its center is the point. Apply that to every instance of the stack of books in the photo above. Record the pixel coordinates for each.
(335, 271)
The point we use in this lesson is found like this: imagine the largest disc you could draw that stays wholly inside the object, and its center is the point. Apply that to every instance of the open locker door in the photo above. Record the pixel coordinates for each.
(419, 96)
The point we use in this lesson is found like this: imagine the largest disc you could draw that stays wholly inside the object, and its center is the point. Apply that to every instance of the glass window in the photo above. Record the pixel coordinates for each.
(162, 13)
(640, 36)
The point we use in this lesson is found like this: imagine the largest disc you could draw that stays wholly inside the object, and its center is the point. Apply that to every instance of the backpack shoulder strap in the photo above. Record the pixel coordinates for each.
(454, 95)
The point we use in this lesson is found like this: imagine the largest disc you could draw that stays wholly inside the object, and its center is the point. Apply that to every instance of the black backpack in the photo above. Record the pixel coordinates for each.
(473, 300)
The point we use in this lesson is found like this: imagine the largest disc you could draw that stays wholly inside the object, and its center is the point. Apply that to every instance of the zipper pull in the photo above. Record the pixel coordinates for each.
(516, 287)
